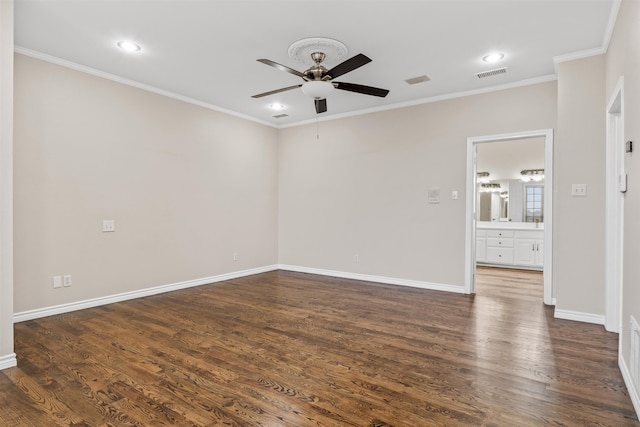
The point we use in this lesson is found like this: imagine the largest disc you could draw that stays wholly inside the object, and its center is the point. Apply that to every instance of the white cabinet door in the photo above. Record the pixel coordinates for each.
(525, 252)
(539, 253)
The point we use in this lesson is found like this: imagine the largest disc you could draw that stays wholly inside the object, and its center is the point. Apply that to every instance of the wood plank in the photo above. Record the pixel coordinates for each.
(294, 349)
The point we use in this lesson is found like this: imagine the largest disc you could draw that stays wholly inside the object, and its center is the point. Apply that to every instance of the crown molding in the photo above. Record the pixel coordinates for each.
(611, 23)
(88, 70)
(527, 82)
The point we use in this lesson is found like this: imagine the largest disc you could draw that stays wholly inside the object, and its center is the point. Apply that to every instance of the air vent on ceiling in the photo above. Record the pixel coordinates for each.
(419, 79)
(279, 116)
(491, 73)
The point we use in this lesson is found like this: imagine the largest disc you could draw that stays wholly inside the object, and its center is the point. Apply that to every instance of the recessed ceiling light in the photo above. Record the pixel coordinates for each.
(493, 57)
(129, 46)
(276, 107)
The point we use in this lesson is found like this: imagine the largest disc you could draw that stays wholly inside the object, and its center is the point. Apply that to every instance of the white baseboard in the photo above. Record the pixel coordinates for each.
(371, 278)
(95, 302)
(8, 361)
(579, 316)
(631, 387)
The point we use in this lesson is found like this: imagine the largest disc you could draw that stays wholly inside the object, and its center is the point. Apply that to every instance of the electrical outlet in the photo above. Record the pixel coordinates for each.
(57, 281)
(356, 258)
(66, 280)
(108, 225)
(579, 190)
(235, 256)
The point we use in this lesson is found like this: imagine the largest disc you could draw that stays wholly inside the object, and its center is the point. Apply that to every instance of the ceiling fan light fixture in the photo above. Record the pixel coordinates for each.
(317, 89)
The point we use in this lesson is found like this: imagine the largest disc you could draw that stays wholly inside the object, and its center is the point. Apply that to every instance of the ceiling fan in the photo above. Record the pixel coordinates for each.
(318, 81)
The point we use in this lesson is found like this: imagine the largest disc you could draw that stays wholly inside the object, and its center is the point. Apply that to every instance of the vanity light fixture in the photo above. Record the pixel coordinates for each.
(536, 175)
(483, 177)
(493, 57)
(129, 46)
(490, 187)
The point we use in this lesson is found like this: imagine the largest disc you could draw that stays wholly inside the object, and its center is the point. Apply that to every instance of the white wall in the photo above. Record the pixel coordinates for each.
(579, 238)
(623, 60)
(362, 186)
(7, 358)
(505, 160)
(186, 186)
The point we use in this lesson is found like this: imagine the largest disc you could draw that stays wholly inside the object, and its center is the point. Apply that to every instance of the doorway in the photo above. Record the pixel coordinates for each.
(472, 213)
(615, 187)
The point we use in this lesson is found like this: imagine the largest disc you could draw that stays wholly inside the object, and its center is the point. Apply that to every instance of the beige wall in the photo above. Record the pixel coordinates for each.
(362, 186)
(6, 187)
(579, 153)
(186, 186)
(623, 60)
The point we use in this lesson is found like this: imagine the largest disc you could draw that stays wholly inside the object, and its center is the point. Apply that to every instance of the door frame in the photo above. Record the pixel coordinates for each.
(471, 207)
(614, 243)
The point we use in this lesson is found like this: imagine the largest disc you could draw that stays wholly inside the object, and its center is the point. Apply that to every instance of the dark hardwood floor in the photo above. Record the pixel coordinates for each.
(292, 349)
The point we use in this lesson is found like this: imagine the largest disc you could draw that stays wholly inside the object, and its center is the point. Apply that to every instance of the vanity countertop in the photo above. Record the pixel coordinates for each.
(488, 225)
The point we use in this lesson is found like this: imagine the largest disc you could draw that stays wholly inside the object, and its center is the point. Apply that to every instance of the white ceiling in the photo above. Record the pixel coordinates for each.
(206, 50)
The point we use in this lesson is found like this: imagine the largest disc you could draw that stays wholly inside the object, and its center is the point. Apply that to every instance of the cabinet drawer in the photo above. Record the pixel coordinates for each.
(500, 255)
(499, 242)
(500, 233)
(530, 234)
(481, 233)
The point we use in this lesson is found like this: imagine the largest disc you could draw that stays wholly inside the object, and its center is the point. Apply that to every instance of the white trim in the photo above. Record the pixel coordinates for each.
(470, 263)
(454, 95)
(7, 26)
(84, 69)
(577, 55)
(578, 316)
(470, 219)
(606, 39)
(614, 213)
(371, 278)
(95, 302)
(631, 387)
(8, 361)
(611, 24)
(527, 82)
(133, 83)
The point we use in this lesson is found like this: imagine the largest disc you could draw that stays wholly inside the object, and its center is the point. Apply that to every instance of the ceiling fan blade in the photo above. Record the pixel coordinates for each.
(349, 65)
(260, 95)
(282, 67)
(321, 105)
(367, 90)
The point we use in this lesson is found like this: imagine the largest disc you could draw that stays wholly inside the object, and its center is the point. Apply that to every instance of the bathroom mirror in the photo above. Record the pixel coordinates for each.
(513, 201)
